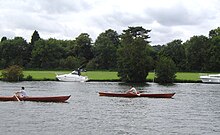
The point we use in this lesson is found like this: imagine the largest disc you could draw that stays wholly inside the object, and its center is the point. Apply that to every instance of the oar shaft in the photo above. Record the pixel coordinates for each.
(16, 97)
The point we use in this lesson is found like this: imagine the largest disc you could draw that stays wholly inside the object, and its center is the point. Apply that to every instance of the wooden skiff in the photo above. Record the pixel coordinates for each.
(131, 95)
(36, 98)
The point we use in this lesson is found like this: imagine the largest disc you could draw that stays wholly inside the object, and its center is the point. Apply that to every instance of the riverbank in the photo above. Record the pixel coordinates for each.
(181, 77)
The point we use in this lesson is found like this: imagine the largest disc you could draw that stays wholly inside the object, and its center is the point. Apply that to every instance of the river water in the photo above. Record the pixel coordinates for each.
(194, 109)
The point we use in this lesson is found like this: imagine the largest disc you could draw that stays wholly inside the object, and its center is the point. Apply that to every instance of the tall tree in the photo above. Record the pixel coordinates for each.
(83, 48)
(176, 51)
(105, 49)
(134, 62)
(3, 39)
(214, 52)
(35, 37)
(197, 53)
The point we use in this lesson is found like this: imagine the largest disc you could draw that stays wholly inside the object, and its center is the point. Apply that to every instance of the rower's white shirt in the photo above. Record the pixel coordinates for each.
(23, 93)
(133, 90)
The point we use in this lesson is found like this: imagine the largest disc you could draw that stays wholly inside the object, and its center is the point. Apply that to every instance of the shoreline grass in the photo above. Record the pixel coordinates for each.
(103, 75)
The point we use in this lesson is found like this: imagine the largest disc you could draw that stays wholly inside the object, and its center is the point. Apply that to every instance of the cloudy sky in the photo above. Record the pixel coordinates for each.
(66, 19)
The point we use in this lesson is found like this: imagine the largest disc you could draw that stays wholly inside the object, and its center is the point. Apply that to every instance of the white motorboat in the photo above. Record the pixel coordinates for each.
(72, 77)
(212, 78)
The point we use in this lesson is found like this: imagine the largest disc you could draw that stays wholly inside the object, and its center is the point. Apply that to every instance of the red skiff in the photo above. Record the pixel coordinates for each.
(36, 99)
(131, 95)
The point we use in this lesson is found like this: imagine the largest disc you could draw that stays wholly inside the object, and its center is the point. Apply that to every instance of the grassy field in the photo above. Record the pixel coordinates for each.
(188, 76)
(104, 75)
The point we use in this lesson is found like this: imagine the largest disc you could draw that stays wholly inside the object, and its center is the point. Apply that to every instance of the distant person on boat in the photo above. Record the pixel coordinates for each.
(78, 70)
(133, 91)
(21, 93)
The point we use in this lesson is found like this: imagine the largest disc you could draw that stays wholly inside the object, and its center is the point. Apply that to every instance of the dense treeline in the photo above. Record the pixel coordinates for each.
(109, 50)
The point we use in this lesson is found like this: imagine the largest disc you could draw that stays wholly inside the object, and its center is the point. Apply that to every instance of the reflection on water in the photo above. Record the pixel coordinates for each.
(193, 110)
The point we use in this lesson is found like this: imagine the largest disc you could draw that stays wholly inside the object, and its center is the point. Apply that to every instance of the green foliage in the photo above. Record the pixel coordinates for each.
(134, 62)
(197, 53)
(3, 39)
(2, 63)
(92, 65)
(176, 51)
(14, 52)
(70, 62)
(35, 37)
(13, 73)
(165, 71)
(214, 51)
(104, 75)
(214, 59)
(105, 49)
(214, 33)
(29, 78)
(47, 53)
(136, 32)
(83, 48)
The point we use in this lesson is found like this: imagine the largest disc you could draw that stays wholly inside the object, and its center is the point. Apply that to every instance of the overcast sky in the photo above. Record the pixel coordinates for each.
(66, 19)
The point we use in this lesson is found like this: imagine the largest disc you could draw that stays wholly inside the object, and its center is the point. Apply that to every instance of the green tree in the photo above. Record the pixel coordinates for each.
(35, 37)
(105, 49)
(83, 48)
(46, 54)
(15, 52)
(70, 62)
(214, 51)
(134, 61)
(176, 51)
(197, 53)
(214, 33)
(13, 73)
(3, 39)
(165, 70)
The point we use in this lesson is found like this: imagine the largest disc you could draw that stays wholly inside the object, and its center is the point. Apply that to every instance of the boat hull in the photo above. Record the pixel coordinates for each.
(36, 99)
(74, 78)
(130, 95)
(207, 79)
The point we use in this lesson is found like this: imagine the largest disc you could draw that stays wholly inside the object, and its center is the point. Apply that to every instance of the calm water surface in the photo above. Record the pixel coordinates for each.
(195, 109)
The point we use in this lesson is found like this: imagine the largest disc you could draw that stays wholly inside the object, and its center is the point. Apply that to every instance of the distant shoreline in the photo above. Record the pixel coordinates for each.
(104, 76)
(176, 81)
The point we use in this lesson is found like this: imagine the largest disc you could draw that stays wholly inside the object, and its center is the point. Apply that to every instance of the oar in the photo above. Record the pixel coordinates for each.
(17, 98)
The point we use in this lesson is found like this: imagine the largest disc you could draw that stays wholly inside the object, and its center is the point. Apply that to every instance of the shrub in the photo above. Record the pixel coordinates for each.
(29, 78)
(13, 73)
(165, 71)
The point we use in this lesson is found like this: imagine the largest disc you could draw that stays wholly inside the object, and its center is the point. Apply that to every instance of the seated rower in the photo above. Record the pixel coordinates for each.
(21, 93)
(133, 91)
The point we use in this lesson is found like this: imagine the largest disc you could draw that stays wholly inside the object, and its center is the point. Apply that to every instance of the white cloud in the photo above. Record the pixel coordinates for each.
(66, 19)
